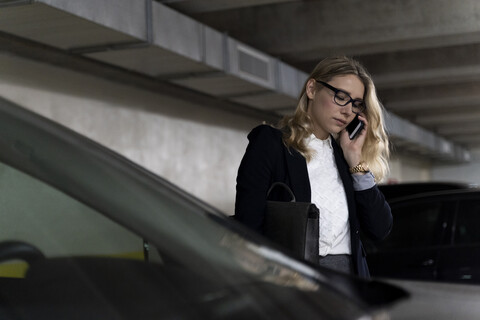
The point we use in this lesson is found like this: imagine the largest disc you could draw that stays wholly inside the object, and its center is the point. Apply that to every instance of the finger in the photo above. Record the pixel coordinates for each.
(363, 118)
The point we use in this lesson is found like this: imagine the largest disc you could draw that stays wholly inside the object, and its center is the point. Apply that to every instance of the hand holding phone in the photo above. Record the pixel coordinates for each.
(355, 127)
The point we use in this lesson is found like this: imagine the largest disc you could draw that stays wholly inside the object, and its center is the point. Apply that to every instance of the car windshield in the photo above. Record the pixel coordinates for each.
(61, 226)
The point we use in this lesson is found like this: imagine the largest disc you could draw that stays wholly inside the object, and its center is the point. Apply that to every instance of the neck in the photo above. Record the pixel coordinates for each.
(322, 135)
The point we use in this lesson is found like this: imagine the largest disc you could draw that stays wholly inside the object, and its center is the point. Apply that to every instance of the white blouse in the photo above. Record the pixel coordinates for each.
(328, 194)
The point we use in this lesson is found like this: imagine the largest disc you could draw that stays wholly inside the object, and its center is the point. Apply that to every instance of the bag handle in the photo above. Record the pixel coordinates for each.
(285, 186)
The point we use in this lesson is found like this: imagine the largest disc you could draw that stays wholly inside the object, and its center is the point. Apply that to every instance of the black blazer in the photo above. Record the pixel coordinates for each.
(268, 160)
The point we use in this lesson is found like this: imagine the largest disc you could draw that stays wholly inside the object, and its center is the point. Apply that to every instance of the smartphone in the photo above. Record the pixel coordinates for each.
(354, 127)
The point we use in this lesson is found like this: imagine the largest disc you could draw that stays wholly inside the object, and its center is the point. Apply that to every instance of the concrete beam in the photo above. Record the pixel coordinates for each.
(440, 57)
(419, 106)
(121, 15)
(46, 21)
(319, 28)
(459, 118)
(433, 98)
(466, 139)
(424, 141)
(60, 58)
(198, 6)
(428, 77)
(455, 129)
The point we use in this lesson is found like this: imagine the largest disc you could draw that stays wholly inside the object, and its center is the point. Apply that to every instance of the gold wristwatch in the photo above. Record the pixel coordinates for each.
(362, 166)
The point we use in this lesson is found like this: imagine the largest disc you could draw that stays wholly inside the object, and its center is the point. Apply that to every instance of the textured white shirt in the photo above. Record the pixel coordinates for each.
(328, 194)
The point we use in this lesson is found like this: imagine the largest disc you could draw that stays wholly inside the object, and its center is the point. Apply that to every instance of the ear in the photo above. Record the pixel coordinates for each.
(310, 88)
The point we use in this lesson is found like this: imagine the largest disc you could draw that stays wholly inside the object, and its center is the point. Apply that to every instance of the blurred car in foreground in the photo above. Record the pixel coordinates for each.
(435, 236)
(87, 234)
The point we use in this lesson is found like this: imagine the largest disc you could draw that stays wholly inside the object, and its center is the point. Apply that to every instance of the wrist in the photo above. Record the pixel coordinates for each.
(360, 168)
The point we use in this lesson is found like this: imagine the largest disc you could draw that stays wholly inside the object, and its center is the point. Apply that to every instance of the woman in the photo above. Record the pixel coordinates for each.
(312, 153)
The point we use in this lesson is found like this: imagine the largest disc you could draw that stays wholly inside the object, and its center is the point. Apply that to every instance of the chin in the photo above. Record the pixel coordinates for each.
(335, 133)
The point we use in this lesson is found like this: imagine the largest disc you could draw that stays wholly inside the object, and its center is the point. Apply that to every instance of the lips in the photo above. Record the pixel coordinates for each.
(340, 122)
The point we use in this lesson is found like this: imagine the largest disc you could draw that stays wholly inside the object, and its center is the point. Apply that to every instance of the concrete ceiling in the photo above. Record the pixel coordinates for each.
(252, 56)
(424, 55)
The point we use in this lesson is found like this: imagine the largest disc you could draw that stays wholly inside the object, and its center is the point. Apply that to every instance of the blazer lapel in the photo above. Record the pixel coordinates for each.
(298, 175)
(342, 167)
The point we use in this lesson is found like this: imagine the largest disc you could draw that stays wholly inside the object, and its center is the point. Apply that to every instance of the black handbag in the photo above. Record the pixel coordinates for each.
(293, 225)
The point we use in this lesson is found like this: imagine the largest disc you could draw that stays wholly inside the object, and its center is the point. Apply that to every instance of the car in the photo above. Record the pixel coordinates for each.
(435, 237)
(398, 190)
(88, 234)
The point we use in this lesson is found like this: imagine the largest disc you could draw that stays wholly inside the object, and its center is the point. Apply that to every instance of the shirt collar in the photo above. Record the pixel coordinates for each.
(313, 139)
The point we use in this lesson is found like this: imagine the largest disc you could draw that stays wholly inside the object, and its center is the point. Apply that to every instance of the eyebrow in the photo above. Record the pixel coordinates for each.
(338, 89)
(350, 95)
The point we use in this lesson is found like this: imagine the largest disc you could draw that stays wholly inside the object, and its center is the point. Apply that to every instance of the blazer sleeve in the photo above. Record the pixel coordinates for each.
(255, 175)
(373, 213)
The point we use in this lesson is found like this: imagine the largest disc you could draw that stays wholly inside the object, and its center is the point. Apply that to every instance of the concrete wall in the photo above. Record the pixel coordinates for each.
(196, 147)
(408, 169)
(469, 172)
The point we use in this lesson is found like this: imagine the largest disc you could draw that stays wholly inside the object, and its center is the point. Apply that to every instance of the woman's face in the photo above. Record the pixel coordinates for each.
(327, 116)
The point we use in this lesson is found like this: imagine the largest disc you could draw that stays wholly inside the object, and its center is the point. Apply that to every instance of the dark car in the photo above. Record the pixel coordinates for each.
(398, 190)
(87, 234)
(435, 236)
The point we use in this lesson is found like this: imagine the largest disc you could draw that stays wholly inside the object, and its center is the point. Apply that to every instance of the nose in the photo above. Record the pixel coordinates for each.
(347, 109)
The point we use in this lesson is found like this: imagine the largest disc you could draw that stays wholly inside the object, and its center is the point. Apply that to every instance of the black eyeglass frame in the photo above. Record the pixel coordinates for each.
(353, 101)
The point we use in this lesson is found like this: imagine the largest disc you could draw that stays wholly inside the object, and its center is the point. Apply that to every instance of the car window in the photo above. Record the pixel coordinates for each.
(56, 224)
(416, 225)
(467, 224)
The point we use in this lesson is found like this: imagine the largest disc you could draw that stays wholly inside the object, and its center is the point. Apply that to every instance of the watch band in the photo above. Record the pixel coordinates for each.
(360, 167)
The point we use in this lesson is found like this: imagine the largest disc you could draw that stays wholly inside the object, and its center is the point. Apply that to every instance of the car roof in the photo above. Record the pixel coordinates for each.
(443, 194)
(400, 190)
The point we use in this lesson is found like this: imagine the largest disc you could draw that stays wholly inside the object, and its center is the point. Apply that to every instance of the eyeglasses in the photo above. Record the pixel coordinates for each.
(342, 98)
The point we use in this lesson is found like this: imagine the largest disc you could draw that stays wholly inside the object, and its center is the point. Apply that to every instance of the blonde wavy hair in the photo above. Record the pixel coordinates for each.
(298, 126)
